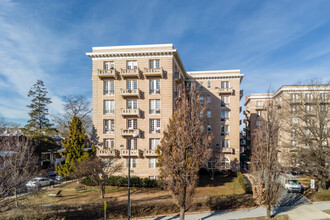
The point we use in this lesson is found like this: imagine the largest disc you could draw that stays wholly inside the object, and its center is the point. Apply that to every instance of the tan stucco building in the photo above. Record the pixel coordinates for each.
(134, 91)
(290, 100)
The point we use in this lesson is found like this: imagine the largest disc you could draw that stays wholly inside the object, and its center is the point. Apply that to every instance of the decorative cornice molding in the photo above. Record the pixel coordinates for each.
(123, 54)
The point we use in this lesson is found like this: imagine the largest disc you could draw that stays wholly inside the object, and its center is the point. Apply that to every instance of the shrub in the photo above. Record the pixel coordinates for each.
(122, 181)
(243, 182)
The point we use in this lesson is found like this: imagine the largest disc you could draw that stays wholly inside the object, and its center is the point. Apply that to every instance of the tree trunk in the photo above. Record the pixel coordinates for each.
(16, 200)
(268, 211)
(182, 210)
(322, 183)
(102, 191)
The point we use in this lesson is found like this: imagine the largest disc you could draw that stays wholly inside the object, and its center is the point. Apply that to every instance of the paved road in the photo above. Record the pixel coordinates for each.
(289, 201)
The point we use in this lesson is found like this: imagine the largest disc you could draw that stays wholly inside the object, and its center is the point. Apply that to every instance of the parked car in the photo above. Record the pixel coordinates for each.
(39, 182)
(59, 178)
(293, 185)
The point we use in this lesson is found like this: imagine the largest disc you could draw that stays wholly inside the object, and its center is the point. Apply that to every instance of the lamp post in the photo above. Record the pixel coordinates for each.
(129, 175)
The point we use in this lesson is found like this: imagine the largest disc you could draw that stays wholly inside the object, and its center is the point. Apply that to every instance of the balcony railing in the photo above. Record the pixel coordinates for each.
(153, 72)
(130, 92)
(129, 132)
(129, 72)
(130, 112)
(222, 91)
(260, 107)
(106, 152)
(228, 150)
(150, 153)
(134, 153)
(106, 73)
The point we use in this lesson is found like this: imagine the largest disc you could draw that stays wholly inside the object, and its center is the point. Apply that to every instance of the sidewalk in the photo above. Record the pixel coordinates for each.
(312, 211)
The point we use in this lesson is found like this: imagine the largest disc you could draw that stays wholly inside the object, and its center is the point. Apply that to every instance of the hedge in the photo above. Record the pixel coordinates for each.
(122, 181)
(243, 182)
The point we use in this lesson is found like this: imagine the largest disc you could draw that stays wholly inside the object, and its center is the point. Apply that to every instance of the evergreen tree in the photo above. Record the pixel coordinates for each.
(74, 147)
(38, 109)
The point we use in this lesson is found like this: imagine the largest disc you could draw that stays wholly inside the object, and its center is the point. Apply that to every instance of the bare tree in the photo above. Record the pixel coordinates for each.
(183, 150)
(78, 106)
(265, 167)
(17, 164)
(310, 131)
(97, 170)
(215, 162)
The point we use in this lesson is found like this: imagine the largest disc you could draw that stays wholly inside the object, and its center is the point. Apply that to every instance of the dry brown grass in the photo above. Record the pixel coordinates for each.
(221, 194)
(278, 217)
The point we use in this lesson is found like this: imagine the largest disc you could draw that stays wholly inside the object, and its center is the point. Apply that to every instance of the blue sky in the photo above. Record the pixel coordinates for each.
(271, 42)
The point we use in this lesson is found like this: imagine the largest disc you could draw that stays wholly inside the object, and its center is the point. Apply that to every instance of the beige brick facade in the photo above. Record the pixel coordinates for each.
(159, 77)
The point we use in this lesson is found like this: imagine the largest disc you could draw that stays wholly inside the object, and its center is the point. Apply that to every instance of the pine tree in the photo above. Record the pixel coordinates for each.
(38, 109)
(74, 147)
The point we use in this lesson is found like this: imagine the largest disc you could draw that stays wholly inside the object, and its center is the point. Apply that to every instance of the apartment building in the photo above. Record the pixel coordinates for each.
(134, 92)
(295, 104)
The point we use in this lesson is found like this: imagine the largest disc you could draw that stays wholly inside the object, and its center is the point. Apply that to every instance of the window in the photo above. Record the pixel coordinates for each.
(208, 114)
(224, 101)
(154, 142)
(225, 143)
(308, 96)
(209, 128)
(324, 143)
(258, 113)
(109, 87)
(308, 108)
(133, 162)
(293, 143)
(154, 106)
(225, 84)
(259, 124)
(208, 99)
(201, 85)
(108, 162)
(131, 64)
(294, 97)
(109, 126)
(294, 121)
(155, 86)
(109, 143)
(208, 84)
(293, 133)
(259, 103)
(154, 64)
(131, 104)
(224, 115)
(131, 123)
(154, 125)
(201, 128)
(224, 130)
(131, 84)
(152, 162)
(293, 109)
(202, 100)
(323, 107)
(201, 114)
(323, 96)
(132, 143)
(307, 132)
(109, 107)
(109, 65)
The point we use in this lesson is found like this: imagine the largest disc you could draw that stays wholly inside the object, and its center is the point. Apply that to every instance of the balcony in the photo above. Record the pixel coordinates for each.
(246, 112)
(134, 153)
(130, 92)
(241, 93)
(225, 91)
(153, 72)
(129, 132)
(107, 73)
(130, 112)
(150, 153)
(260, 107)
(106, 153)
(130, 73)
(227, 150)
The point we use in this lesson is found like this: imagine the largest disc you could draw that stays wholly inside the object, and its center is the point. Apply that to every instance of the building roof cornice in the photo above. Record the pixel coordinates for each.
(258, 97)
(301, 88)
(214, 74)
(110, 54)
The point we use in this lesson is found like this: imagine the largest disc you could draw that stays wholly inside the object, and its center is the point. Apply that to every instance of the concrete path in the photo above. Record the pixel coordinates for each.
(310, 211)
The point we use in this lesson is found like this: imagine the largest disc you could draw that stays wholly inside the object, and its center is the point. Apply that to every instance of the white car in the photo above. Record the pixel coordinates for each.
(293, 185)
(39, 182)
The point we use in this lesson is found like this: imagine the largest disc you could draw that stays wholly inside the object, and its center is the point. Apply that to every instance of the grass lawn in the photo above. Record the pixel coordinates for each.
(327, 211)
(222, 193)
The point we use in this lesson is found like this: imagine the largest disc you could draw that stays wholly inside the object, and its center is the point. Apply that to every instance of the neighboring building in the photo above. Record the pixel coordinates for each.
(289, 99)
(134, 91)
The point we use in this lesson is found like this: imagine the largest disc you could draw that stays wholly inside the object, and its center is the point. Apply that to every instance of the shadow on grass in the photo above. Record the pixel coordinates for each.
(219, 179)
